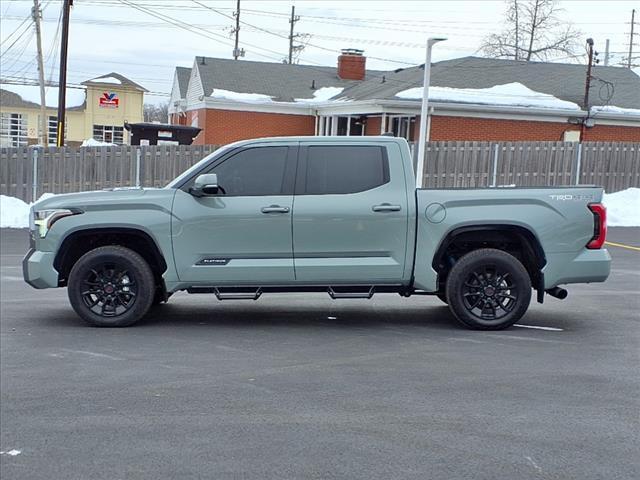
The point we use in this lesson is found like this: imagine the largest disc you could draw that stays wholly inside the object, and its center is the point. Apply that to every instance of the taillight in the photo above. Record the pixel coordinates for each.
(599, 225)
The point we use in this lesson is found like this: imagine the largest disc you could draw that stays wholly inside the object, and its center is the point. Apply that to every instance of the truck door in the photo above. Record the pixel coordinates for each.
(351, 214)
(241, 236)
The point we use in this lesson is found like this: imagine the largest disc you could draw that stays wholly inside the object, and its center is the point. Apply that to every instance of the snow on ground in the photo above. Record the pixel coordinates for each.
(92, 142)
(613, 109)
(240, 97)
(14, 213)
(510, 94)
(321, 95)
(623, 208)
(31, 93)
(112, 80)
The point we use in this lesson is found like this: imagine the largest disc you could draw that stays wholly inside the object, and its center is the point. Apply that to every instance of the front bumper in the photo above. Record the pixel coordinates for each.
(587, 267)
(37, 269)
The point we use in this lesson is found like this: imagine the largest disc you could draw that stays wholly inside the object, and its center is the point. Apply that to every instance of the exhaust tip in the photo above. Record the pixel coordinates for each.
(557, 292)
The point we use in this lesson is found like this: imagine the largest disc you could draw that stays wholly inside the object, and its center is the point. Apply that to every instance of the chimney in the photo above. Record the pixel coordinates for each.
(351, 64)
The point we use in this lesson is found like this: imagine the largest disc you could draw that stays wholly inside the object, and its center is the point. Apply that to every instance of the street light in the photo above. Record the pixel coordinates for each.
(424, 112)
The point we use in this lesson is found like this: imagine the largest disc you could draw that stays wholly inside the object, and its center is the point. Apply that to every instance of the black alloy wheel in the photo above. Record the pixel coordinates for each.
(488, 289)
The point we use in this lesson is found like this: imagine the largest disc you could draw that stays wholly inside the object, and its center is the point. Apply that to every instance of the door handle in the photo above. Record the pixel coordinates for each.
(274, 209)
(386, 207)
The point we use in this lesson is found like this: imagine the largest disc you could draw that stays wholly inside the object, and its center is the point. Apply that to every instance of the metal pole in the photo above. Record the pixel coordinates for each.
(138, 156)
(62, 84)
(37, 14)
(606, 53)
(578, 163)
(34, 187)
(424, 113)
(494, 176)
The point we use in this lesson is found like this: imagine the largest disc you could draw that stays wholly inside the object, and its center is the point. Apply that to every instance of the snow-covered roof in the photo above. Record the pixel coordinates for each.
(114, 78)
(510, 94)
(239, 96)
(30, 96)
(322, 95)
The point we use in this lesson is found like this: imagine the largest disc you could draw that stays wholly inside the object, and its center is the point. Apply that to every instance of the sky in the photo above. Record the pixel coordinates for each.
(146, 39)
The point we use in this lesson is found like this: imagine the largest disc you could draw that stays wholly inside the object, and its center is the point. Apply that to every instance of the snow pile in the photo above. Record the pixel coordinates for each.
(240, 97)
(92, 142)
(31, 93)
(14, 213)
(322, 95)
(618, 110)
(111, 80)
(510, 94)
(623, 208)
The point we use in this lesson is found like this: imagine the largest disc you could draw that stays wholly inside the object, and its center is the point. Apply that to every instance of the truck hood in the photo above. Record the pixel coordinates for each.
(116, 199)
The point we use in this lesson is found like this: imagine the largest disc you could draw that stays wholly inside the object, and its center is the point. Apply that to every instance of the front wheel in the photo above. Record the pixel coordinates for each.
(111, 286)
(488, 289)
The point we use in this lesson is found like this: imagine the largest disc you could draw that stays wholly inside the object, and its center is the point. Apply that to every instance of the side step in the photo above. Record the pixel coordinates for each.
(229, 293)
(347, 292)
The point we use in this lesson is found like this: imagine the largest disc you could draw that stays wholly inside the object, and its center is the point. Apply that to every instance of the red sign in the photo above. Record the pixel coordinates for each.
(109, 100)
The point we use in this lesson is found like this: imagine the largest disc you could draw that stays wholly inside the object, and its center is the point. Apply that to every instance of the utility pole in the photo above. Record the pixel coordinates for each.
(62, 83)
(292, 21)
(236, 49)
(36, 13)
(633, 21)
(587, 86)
(606, 53)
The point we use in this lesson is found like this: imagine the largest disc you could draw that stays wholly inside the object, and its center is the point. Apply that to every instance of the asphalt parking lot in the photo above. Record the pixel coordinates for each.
(299, 386)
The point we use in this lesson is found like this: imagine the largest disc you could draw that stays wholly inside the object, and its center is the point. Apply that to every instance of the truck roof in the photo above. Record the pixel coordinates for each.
(323, 139)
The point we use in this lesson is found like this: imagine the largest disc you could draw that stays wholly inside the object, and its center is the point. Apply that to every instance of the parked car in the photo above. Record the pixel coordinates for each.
(335, 214)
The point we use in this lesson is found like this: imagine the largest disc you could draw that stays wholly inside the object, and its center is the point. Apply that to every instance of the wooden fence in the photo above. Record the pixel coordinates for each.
(615, 166)
(26, 173)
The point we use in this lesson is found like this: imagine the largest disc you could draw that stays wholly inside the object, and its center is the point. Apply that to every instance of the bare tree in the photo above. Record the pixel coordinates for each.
(156, 113)
(534, 31)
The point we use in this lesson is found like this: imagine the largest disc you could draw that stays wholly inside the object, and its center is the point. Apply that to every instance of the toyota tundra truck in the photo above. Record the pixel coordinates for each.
(340, 215)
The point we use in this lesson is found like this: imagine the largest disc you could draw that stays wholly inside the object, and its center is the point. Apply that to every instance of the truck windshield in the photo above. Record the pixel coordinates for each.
(188, 172)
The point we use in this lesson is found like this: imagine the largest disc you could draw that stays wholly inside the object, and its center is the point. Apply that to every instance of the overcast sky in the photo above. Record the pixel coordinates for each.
(114, 35)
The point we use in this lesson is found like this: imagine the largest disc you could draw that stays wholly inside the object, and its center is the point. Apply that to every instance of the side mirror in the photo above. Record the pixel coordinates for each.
(205, 184)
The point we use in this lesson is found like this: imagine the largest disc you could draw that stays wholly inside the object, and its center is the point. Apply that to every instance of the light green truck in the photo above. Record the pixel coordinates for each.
(333, 214)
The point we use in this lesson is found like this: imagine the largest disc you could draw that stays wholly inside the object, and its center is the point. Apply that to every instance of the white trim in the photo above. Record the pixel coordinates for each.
(271, 107)
(383, 123)
(601, 120)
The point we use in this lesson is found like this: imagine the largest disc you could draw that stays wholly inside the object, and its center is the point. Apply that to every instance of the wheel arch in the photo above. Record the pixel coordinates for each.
(79, 242)
(515, 239)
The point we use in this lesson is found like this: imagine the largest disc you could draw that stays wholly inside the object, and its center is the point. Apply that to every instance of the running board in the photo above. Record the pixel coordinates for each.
(351, 294)
(229, 294)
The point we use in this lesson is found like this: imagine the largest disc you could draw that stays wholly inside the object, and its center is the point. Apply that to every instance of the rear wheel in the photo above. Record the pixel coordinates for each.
(488, 289)
(111, 286)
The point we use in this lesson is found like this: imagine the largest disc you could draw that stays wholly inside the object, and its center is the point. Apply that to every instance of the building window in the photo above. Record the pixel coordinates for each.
(13, 130)
(52, 130)
(108, 133)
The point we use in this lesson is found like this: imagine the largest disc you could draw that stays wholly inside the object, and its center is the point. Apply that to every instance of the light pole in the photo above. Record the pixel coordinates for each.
(424, 112)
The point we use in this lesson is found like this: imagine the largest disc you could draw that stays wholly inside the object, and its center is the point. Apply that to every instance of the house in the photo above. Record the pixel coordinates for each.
(96, 110)
(471, 98)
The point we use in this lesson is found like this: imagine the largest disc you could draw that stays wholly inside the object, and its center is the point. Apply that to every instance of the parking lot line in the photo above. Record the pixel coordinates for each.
(536, 327)
(622, 245)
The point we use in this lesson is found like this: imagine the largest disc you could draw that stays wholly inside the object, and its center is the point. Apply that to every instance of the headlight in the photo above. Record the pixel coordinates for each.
(43, 220)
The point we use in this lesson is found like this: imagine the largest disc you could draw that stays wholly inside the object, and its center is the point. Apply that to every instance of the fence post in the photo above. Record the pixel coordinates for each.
(578, 163)
(494, 175)
(34, 186)
(138, 155)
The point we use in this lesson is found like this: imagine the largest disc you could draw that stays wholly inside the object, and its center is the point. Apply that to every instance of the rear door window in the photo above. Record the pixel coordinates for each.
(341, 169)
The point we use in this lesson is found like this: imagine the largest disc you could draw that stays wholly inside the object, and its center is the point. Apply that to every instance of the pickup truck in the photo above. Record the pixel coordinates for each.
(333, 214)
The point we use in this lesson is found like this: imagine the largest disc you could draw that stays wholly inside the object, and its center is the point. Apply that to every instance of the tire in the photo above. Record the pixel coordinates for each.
(488, 289)
(443, 297)
(111, 286)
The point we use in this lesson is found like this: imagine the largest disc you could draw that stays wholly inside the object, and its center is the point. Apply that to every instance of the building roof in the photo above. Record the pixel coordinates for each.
(183, 74)
(115, 79)
(561, 80)
(11, 99)
(283, 82)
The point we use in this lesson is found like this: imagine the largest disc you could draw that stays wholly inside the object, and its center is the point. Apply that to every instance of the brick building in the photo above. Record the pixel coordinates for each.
(471, 99)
